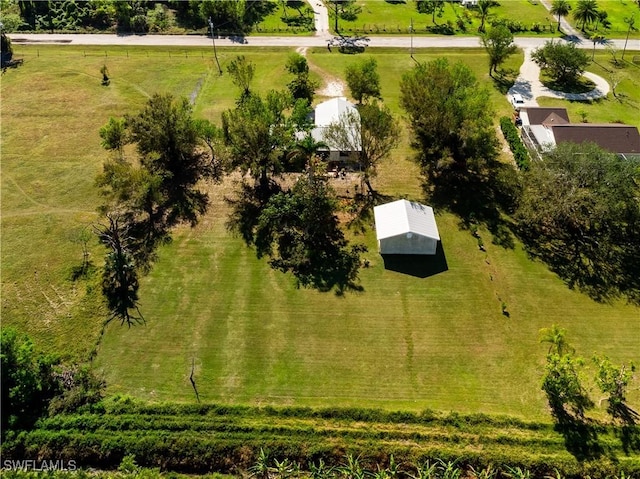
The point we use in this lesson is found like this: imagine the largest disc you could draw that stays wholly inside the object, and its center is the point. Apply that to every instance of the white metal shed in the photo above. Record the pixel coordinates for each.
(406, 227)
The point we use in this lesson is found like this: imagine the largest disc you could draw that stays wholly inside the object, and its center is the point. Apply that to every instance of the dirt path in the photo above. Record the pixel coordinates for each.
(332, 86)
(321, 18)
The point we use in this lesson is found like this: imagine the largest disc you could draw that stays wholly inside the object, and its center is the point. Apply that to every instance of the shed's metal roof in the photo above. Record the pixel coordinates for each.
(402, 217)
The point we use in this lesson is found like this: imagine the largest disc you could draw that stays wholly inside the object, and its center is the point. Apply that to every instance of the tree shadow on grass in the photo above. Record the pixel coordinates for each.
(362, 210)
(580, 439)
(418, 265)
(630, 438)
(478, 199)
(505, 79)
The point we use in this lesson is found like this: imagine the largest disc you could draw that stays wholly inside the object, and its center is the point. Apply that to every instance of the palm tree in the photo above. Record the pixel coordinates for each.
(586, 12)
(631, 21)
(603, 19)
(555, 336)
(560, 8)
(483, 11)
(305, 150)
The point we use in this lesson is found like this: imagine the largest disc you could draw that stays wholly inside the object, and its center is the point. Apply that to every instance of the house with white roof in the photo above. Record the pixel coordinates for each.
(406, 227)
(331, 112)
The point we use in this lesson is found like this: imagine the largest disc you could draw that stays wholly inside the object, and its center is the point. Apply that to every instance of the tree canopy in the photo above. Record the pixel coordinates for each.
(579, 213)
(434, 7)
(300, 231)
(450, 114)
(560, 8)
(258, 131)
(150, 194)
(586, 11)
(242, 72)
(451, 119)
(499, 45)
(564, 62)
(363, 80)
(28, 383)
(301, 87)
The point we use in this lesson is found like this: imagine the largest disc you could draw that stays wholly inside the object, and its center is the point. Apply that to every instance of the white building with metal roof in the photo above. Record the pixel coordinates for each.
(406, 227)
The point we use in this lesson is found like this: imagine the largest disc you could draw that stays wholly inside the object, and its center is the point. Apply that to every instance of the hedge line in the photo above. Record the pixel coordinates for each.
(205, 438)
(511, 134)
(195, 453)
(125, 405)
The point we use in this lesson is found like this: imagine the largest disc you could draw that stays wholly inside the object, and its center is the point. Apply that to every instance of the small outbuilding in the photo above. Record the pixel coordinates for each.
(406, 227)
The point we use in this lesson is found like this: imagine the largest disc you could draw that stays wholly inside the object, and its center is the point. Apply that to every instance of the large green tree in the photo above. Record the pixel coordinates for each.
(28, 381)
(579, 213)
(363, 79)
(157, 189)
(450, 115)
(432, 7)
(258, 132)
(301, 87)
(300, 231)
(563, 61)
(451, 118)
(498, 43)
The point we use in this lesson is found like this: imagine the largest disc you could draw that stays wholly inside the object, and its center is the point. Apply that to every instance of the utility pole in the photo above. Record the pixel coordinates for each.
(215, 53)
(411, 29)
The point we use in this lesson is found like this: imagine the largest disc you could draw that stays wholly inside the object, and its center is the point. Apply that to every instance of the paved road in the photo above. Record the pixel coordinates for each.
(293, 41)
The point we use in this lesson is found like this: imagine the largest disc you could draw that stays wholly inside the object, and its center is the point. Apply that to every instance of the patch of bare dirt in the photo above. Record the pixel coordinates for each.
(332, 86)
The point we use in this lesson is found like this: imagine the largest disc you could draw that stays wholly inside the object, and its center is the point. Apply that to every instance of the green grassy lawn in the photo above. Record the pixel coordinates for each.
(383, 17)
(287, 21)
(617, 10)
(405, 342)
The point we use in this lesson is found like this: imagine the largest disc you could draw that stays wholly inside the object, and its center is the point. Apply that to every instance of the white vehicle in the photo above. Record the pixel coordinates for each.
(517, 101)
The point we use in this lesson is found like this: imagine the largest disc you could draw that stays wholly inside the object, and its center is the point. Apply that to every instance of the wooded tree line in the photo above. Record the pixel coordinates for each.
(228, 16)
(577, 210)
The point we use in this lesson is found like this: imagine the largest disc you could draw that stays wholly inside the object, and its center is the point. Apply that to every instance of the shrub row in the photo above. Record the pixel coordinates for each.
(511, 134)
(194, 453)
(125, 405)
(489, 437)
(204, 438)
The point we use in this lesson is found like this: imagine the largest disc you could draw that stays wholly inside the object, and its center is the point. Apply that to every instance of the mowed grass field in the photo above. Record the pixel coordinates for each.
(383, 17)
(404, 342)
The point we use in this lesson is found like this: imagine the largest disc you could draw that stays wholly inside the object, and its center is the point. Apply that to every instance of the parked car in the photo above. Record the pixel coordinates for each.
(517, 101)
